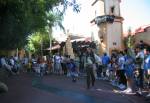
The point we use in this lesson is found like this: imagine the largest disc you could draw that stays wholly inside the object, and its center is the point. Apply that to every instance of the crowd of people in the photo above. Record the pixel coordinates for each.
(10, 64)
(129, 69)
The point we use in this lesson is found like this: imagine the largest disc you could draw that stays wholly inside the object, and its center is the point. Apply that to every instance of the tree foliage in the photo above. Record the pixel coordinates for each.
(129, 40)
(37, 41)
(20, 18)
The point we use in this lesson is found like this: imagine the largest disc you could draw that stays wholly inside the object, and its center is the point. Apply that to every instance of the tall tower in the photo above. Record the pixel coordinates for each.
(109, 22)
(68, 47)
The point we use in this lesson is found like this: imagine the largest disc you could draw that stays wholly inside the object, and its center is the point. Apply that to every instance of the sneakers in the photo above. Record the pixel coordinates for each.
(74, 80)
(114, 83)
(139, 92)
(127, 91)
(121, 86)
(100, 78)
(148, 95)
(105, 78)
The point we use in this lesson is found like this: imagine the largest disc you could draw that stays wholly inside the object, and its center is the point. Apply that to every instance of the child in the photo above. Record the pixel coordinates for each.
(112, 73)
(73, 70)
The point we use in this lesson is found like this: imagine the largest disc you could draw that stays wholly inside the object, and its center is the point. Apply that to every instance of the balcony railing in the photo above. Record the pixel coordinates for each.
(107, 19)
(103, 19)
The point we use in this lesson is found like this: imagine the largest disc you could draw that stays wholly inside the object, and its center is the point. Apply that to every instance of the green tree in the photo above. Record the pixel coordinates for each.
(36, 40)
(20, 18)
(129, 40)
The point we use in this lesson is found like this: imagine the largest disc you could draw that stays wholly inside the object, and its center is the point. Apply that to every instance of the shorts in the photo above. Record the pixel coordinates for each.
(129, 73)
(74, 74)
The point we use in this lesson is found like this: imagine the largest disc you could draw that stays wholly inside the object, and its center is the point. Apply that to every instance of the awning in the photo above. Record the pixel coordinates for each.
(54, 47)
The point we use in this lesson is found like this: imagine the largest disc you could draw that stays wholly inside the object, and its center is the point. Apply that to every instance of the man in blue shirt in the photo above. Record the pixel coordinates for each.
(105, 62)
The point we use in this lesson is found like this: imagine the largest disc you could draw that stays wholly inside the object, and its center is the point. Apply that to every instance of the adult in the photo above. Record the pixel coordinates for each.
(57, 64)
(105, 62)
(129, 69)
(147, 68)
(5, 65)
(64, 60)
(140, 63)
(121, 71)
(90, 60)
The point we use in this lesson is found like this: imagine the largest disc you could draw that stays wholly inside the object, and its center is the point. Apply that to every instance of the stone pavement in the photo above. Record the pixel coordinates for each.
(28, 88)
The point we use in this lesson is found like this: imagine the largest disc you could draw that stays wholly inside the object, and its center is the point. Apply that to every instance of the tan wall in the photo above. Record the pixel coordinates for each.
(114, 35)
(12, 53)
(100, 10)
(97, 9)
(102, 32)
(148, 30)
(8, 52)
(145, 36)
(109, 4)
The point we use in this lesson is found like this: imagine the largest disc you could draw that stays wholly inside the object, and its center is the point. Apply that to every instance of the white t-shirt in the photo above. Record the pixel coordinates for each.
(97, 58)
(121, 62)
(89, 61)
(140, 55)
(12, 61)
(57, 59)
(3, 62)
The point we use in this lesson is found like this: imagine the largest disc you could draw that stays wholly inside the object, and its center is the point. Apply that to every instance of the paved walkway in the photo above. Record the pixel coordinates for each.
(27, 88)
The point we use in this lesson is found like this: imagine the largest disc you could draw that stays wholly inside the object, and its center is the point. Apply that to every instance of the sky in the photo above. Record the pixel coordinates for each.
(135, 14)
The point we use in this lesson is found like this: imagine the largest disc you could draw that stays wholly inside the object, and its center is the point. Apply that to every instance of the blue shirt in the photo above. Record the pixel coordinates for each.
(129, 63)
(105, 60)
(147, 62)
(72, 67)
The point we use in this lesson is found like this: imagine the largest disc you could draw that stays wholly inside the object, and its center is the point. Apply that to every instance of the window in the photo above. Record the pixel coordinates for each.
(112, 9)
(114, 43)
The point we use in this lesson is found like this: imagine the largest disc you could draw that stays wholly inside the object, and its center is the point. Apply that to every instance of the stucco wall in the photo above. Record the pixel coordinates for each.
(114, 36)
(97, 9)
(145, 36)
(109, 4)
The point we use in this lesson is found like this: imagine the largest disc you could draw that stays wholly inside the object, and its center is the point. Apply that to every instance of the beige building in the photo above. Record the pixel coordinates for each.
(142, 33)
(109, 23)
